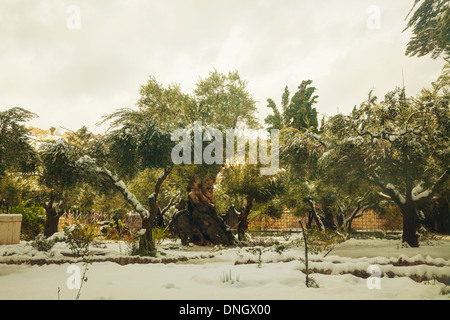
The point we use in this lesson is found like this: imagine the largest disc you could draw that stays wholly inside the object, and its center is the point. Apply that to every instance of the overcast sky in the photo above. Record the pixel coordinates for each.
(72, 78)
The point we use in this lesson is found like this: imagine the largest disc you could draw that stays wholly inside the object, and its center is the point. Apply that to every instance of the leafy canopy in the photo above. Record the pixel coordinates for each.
(298, 112)
(16, 151)
(430, 25)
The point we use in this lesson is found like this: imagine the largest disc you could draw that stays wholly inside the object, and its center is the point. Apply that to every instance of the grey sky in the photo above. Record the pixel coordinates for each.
(71, 78)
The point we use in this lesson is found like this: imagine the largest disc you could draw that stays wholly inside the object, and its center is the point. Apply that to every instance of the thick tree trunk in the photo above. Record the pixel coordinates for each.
(410, 226)
(51, 222)
(243, 219)
(328, 222)
(200, 224)
(146, 243)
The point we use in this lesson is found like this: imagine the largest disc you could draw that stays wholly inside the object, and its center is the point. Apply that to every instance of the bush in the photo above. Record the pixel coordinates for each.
(79, 238)
(159, 234)
(114, 230)
(134, 241)
(41, 243)
(324, 241)
(33, 220)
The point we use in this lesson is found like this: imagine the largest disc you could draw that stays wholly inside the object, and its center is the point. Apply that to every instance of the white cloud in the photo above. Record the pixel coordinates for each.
(71, 78)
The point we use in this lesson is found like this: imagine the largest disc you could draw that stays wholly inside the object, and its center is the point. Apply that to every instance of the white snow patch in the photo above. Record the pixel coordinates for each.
(278, 276)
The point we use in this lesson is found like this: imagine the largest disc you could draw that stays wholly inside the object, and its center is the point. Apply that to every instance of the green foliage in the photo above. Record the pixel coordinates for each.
(135, 143)
(399, 139)
(41, 243)
(227, 277)
(312, 283)
(298, 113)
(247, 180)
(16, 151)
(58, 165)
(33, 220)
(430, 25)
(323, 241)
(398, 146)
(10, 193)
(79, 238)
(275, 120)
(159, 235)
(219, 99)
(223, 99)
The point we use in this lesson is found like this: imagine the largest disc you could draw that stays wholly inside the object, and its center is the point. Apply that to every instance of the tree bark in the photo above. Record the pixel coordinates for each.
(148, 216)
(243, 219)
(340, 219)
(146, 243)
(410, 225)
(310, 219)
(408, 207)
(51, 221)
(200, 223)
(315, 215)
(328, 222)
(357, 212)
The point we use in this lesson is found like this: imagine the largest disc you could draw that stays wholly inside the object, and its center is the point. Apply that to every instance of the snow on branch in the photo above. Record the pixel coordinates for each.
(87, 163)
(419, 194)
(393, 191)
(389, 190)
(316, 137)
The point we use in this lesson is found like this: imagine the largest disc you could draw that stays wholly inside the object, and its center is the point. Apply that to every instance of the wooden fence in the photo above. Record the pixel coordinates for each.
(370, 221)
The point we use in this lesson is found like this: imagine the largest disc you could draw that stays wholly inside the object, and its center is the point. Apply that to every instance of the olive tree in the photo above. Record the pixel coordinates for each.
(400, 146)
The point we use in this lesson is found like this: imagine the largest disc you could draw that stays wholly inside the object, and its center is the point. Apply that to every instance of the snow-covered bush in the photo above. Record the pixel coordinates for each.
(79, 238)
(41, 243)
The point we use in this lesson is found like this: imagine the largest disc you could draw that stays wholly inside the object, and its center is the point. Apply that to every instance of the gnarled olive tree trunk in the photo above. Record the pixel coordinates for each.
(199, 222)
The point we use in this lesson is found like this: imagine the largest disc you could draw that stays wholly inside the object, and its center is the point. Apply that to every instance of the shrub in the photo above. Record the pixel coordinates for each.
(41, 243)
(133, 241)
(159, 234)
(79, 238)
(33, 220)
(324, 241)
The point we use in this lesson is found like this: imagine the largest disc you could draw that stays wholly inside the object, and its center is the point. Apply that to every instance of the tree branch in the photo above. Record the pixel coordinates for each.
(87, 163)
(319, 222)
(389, 190)
(420, 196)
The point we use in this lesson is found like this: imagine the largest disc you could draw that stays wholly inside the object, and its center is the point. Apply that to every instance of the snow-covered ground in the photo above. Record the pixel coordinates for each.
(256, 273)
